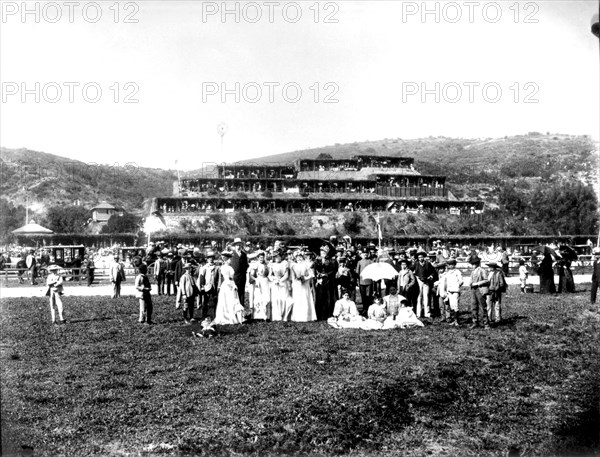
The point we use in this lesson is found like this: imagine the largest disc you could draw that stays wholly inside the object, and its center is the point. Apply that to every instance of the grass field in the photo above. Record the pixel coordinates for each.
(105, 385)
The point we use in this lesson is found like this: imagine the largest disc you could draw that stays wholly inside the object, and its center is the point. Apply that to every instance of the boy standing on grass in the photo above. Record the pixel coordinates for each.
(452, 283)
(497, 287)
(523, 274)
(186, 294)
(143, 287)
(55, 290)
(479, 287)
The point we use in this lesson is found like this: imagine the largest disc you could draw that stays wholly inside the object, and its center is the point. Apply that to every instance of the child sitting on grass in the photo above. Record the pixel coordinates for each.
(208, 329)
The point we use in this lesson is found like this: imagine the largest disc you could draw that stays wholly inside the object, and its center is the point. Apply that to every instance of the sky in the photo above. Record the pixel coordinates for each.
(150, 82)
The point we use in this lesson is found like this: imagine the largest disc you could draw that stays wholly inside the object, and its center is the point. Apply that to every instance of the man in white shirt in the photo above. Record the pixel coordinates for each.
(117, 275)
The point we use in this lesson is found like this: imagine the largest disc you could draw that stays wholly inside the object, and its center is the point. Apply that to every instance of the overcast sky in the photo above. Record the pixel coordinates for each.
(361, 68)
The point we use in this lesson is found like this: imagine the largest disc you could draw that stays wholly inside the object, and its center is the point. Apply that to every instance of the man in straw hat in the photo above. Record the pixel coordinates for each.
(208, 279)
(365, 285)
(239, 263)
(450, 286)
(55, 290)
(426, 276)
(117, 275)
(479, 287)
(496, 288)
(187, 293)
(160, 270)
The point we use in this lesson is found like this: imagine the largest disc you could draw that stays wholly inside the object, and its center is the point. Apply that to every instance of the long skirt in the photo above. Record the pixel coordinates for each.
(261, 299)
(281, 302)
(304, 306)
(229, 309)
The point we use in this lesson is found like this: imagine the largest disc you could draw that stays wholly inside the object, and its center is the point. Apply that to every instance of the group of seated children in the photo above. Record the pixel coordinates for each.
(391, 312)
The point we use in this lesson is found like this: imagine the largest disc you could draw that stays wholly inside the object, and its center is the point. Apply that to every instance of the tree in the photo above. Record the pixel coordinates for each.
(67, 219)
(567, 208)
(11, 218)
(511, 200)
(127, 223)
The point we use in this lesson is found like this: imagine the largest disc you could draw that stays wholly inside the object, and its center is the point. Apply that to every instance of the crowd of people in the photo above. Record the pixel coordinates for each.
(291, 283)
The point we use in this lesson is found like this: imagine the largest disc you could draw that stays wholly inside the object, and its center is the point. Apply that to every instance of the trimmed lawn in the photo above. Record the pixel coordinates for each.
(105, 385)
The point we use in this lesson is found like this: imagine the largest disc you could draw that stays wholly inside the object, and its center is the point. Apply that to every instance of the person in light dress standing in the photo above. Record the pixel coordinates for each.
(281, 302)
(304, 305)
(229, 309)
(258, 275)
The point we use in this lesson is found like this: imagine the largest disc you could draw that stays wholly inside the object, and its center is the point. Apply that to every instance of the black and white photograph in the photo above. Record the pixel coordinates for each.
(300, 228)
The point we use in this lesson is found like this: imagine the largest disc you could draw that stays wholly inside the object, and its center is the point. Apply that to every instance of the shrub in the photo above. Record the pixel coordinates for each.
(353, 225)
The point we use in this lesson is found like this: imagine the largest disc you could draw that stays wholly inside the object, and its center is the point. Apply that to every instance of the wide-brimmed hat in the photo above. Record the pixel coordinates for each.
(53, 267)
(237, 240)
(210, 254)
(451, 261)
(475, 259)
(596, 251)
(226, 254)
(493, 265)
(440, 265)
(186, 266)
(423, 253)
(165, 251)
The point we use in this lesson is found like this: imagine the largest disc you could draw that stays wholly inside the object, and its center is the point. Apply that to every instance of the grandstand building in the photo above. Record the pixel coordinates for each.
(361, 183)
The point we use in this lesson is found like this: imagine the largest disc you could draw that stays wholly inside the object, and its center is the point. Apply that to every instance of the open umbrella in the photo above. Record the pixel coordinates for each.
(567, 252)
(378, 271)
(548, 250)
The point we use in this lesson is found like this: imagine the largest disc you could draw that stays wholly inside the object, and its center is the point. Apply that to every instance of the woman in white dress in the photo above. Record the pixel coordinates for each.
(304, 304)
(261, 297)
(345, 313)
(229, 309)
(281, 302)
(377, 314)
(399, 314)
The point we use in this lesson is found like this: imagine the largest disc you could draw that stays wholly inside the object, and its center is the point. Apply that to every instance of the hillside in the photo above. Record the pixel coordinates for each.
(476, 167)
(530, 183)
(48, 180)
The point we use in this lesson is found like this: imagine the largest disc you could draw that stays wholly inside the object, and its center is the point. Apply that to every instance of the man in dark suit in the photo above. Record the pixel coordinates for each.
(595, 274)
(239, 263)
(393, 260)
(426, 275)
